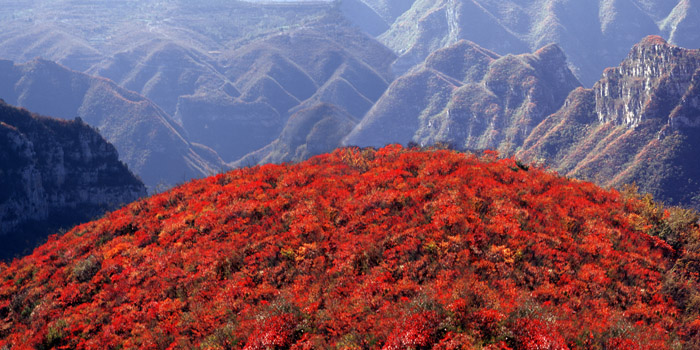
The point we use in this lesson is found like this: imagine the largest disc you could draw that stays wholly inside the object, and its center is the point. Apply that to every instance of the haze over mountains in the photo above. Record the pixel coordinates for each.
(593, 34)
(148, 140)
(470, 98)
(228, 85)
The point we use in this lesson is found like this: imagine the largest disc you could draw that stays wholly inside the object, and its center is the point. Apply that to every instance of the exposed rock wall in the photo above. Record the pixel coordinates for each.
(56, 168)
(638, 124)
(654, 76)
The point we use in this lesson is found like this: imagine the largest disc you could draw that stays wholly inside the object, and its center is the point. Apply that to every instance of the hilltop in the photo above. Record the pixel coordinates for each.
(366, 249)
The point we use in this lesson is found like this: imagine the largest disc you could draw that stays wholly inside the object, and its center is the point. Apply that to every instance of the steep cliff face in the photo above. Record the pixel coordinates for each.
(654, 78)
(54, 174)
(639, 123)
(471, 98)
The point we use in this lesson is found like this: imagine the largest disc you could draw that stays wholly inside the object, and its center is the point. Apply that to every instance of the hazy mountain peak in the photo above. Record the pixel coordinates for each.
(551, 53)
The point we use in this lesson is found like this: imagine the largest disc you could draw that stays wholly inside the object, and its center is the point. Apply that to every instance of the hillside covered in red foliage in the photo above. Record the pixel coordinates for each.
(366, 249)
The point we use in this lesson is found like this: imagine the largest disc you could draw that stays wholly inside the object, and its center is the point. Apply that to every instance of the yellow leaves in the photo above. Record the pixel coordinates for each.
(504, 253)
(431, 247)
(306, 250)
(118, 249)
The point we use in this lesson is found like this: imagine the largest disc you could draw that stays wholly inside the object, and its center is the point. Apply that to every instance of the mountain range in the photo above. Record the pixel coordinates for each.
(230, 85)
(291, 80)
(181, 97)
(593, 34)
(148, 140)
(483, 232)
(471, 98)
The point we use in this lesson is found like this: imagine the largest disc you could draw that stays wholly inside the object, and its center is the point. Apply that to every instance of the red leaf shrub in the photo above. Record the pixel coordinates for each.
(365, 249)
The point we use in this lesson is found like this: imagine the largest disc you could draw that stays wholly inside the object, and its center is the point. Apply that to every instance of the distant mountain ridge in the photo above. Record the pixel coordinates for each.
(593, 34)
(148, 140)
(280, 75)
(231, 85)
(640, 123)
(469, 97)
(55, 174)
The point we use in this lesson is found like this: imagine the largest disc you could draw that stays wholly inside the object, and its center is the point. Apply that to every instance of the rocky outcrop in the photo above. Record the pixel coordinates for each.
(655, 76)
(638, 124)
(55, 173)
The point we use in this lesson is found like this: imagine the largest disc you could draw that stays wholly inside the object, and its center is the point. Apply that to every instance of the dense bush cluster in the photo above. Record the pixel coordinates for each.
(365, 249)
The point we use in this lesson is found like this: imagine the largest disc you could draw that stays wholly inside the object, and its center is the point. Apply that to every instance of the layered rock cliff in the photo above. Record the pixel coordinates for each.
(55, 173)
(655, 77)
(639, 123)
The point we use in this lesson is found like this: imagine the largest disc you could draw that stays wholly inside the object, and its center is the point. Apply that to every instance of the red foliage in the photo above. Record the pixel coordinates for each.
(276, 332)
(418, 332)
(533, 334)
(358, 249)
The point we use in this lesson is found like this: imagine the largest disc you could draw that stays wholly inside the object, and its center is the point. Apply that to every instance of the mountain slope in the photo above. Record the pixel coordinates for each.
(280, 75)
(593, 34)
(231, 84)
(638, 124)
(386, 249)
(153, 146)
(469, 97)
(54, 174)
(308, 132)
